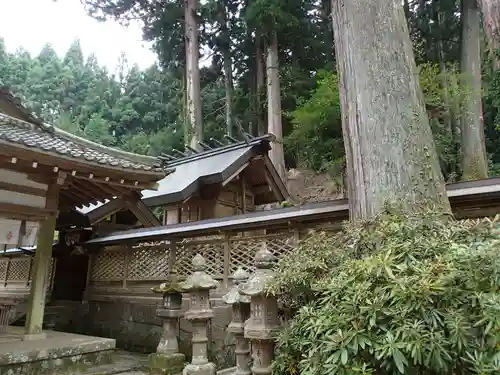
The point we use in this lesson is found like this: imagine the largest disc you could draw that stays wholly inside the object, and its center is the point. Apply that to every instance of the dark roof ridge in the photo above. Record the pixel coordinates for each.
(216, 151)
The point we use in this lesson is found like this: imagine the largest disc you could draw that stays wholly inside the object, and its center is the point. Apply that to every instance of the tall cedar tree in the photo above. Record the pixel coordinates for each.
(389, 145)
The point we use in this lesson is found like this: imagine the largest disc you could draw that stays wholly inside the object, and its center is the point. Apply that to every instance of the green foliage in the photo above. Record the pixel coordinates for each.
(316, 137)
(397, 295)
(139, 111)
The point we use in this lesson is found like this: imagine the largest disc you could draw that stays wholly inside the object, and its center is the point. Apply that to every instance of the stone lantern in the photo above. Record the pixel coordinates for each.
(198, 285)
(241, 311)
(167, 360)
(263, 323)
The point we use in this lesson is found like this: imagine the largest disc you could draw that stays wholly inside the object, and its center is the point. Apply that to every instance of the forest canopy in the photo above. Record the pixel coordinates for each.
(144, 111)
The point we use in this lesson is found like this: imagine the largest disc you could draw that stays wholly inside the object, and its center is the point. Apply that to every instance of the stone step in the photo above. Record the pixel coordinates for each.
(124, 363)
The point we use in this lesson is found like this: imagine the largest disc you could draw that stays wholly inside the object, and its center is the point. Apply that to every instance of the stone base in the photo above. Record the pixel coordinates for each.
(35, 336)
(205, 369)
(59, 353)
(166, 364)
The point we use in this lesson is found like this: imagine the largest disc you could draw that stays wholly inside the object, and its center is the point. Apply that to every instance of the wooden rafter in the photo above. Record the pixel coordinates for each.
(86, 196)
(95, 195)
(69, 163)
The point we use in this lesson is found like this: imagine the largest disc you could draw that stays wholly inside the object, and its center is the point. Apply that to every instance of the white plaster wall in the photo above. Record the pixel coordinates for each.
(18, 178)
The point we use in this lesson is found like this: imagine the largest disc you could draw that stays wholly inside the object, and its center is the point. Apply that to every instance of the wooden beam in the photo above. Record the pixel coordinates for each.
(18, 211)
(128, 184)
(94, 197)
(243, 185)
(277, 192)
(23, 189)
(93, 189)
(143, 213)
(46, 172)
(85, 197)
(235, 173)
(100, 213)
(69, 163)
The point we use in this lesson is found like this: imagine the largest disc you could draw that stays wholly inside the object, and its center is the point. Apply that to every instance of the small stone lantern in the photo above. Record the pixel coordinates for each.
(167, 360)
(198, 285)
(263, 323)
(241, 311)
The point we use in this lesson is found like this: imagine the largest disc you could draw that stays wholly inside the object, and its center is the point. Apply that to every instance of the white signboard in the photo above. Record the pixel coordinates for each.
(9, 231)
(29, 237)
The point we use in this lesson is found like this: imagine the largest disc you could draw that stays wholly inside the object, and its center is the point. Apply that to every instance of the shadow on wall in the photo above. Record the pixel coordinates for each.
(136, 327)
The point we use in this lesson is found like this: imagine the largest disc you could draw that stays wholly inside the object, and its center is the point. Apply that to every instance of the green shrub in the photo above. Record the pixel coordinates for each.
(399, 294)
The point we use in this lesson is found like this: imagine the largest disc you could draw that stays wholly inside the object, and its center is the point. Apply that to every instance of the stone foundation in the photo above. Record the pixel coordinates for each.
(60, 353)
(135, 326)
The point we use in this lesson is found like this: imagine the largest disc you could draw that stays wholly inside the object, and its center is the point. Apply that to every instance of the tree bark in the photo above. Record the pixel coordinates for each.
(450, 108)
(491, 22)
(471, 121)
(406, 7)
(274, 107)
(194, 133)
(228, 71)
(259, 66)
(390, 149)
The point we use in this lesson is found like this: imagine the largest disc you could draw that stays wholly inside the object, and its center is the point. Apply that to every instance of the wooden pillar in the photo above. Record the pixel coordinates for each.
(41, 265)
(227, 260)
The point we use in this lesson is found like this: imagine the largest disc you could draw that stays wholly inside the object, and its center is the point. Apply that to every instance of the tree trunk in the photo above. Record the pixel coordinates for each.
(259, 66)
(450, 108)
(274, 107)
(389, 145)
(491, 22)
(471, 121)
(194, 133)
(406, 7)
(228, 72)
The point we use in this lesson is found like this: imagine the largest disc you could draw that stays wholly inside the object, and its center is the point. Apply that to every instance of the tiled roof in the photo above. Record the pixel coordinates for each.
(49, 139)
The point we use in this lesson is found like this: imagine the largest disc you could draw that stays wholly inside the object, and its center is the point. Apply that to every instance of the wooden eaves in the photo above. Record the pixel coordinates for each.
(92, 173)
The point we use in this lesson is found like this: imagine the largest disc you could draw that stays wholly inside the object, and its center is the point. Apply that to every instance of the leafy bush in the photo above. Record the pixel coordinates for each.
(400, 294)
(316, 138)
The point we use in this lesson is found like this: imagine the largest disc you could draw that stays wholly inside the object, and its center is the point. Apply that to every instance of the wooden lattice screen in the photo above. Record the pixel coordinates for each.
(109, 266)
(148, 263)
(223, 254)
(17, 272)
(243, 249)
(212, 250)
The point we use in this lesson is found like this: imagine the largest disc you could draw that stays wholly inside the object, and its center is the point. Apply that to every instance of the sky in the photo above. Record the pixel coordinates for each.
(33, 23)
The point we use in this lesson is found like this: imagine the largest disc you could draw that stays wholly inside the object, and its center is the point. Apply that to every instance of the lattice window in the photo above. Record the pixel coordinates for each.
(19, 269)
(212, 250)
(109, 266)
(148, 263)
(243, 249)
(3, 268)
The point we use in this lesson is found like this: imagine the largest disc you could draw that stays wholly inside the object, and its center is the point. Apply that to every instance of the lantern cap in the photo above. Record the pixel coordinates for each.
(233, 296)
(264, 259)
(199, 279)
(262, 275)
(170, 286)
(199, 263)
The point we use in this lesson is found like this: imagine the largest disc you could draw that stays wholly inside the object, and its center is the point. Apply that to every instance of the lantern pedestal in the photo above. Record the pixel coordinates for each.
(241, 311)
(166, 364)
(167, 360)
(198, 285)
(263, 324)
